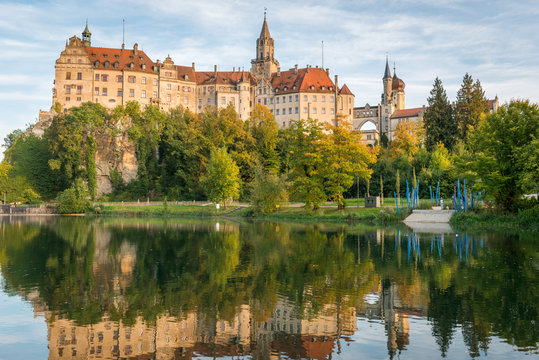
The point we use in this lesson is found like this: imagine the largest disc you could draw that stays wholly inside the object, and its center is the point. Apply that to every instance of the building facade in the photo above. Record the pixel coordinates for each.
(112, 77)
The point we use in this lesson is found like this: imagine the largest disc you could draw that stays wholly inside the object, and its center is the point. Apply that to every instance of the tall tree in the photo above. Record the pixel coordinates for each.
(506, 144)
(407, 139)
(471, 104)
(439, 121)
(263, 129)
(223, 179)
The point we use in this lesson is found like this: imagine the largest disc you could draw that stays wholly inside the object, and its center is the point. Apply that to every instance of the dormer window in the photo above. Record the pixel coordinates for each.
(276, 90)
(117, 56)
(96, 64)
(105, 55)
(94, 55)
(323, 87)
(106, 64)
(330, 88)
(285, 88)
(116, 64)
(143, 66)
(131, 66)
(312, 87)
(294, 87)
(131, 57)
(186, 77)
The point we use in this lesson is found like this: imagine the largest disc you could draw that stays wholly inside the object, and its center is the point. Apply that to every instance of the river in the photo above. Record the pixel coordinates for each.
(118, 288)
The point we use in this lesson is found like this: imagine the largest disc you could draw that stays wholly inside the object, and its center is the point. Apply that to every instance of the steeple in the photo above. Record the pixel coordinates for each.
(265, 30)
(264, 64)
(387, 74)
(86, 36)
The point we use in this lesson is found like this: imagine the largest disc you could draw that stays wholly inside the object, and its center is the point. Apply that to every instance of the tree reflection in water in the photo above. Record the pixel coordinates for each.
(175, 289)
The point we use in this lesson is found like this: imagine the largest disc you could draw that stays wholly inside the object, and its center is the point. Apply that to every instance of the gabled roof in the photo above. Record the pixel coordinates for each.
(304, 80)
(186, 70)
(345, 90)
(124, 57)
(223, 77)
(404, 113)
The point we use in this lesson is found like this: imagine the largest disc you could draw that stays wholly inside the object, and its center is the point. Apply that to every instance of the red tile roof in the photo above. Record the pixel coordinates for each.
(305, 80)
(186, 70)
(123, 58)
(406, 113)
(223, 77)
(345, 90)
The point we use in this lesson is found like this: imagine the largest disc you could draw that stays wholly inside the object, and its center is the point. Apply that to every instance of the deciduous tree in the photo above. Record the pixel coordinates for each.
(222, 181)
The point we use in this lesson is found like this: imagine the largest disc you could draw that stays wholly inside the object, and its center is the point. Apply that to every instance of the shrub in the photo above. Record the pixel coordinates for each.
(75, 199)
(267, 191)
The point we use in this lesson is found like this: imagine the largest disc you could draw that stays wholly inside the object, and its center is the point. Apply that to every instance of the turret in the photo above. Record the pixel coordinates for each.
(386, 96)
(264, 64)
(86, 36)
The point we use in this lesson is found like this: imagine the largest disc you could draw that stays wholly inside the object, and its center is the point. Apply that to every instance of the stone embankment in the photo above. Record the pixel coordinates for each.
(436, 221)
(26, 210)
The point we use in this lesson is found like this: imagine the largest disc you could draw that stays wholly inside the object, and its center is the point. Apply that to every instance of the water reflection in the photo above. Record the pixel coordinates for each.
(176, 289)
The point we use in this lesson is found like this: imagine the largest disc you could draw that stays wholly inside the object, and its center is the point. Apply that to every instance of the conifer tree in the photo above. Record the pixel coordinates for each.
(471, 104)
(439, 120)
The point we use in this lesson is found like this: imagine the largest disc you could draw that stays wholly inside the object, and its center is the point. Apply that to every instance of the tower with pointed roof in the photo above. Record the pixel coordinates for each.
(387, 80)
(86, 36)
(264, 64)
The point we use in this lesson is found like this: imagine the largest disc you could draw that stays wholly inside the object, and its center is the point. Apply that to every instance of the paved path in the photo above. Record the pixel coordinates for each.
(430, 216)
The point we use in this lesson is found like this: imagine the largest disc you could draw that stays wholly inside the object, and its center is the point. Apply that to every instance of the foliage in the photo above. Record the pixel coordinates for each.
(439, 120)
(263, 129)
(74, 200)
(222, 181)
(407, 139)
(18, 190)
(267, 191)
(470, 106)
(506, 146)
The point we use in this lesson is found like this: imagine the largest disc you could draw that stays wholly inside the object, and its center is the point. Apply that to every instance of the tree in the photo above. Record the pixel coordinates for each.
(344, 159)
(222, 181)
(267, 190)
(407, 139)
(263, 129)
(471, 104)
(75, 199)
(438, 120)
(506, 146)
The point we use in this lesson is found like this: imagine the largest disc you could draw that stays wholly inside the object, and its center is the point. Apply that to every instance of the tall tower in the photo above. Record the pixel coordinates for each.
(397, 87)
(86, 36)
(264, 64)
(387, 105)
(386, 95)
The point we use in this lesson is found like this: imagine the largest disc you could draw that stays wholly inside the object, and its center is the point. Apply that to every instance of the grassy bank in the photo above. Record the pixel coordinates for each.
(385, 215)
(527, 220)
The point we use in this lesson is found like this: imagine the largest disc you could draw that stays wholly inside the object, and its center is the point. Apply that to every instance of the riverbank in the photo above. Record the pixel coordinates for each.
(326, 213)
(525, 220)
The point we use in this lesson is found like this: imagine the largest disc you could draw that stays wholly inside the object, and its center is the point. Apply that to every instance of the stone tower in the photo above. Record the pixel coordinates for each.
(387, 106)
(387, 80)
(397, 87)
(86, 36)
(264, 64)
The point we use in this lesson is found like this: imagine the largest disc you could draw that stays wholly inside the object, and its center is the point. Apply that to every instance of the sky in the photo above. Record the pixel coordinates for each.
(495, 41)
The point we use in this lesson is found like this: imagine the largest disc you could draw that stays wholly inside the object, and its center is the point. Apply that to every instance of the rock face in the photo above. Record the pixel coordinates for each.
(113, 152)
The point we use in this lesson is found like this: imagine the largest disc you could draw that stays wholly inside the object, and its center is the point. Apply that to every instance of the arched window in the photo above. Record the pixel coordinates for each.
(96, 64)
(106, 64)
(116, 64)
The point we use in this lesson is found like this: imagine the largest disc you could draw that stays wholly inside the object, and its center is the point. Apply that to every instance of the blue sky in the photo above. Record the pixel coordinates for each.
(495, 41)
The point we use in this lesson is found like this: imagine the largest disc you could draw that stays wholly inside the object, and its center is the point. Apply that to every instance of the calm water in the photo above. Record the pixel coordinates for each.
(73, 288)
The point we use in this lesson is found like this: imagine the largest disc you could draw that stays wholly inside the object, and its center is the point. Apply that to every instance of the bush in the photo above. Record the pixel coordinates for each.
(75, 199)
(267, 191)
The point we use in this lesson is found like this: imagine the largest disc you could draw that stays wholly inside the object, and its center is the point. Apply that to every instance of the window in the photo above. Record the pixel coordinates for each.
(368, 137)
(314, 110)
(314, 98)
(168, 74)
(168, 97)
(68, 98)
(131, 79)
(106, 64)
(120, 93)
(297, 97)
(284, 124)
(332, 99)
(143, 94)
(297, 110)
(96, 77)
(284, 99)
(96, 91)
(271, 101)
(305, 98)
(200, 102)
(277, 111)
(79, 76)
(68, 89)
(78, 99)
(331, 111)
(68, 75)
(265, 90)
(186, 99)
(265, 101)
(305, 110)
(155, 81)
(290, 110)
(104, 77)
(79, 90)
(290, 98)
(116, 64)
(284, 111)
(169, 86)
(323, 98)
(143, 80)
(233, 101)
(209, 101)
(104, 92)
(131, 92)
(323, 110)
(223, 100)
(277, 100)
(69, 61)
(155, 94)
(259, 101)
(259, 91)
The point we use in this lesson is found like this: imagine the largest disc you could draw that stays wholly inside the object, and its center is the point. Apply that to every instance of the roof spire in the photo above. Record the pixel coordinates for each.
(265, 30)
(387, 74)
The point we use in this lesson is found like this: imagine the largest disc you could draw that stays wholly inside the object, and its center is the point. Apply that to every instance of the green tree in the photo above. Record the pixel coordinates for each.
(222, 181)
(344, 159)
(471, 104)
(263, 129)
(438, 120)
(75, 199)
(267, 190)
(506, 146)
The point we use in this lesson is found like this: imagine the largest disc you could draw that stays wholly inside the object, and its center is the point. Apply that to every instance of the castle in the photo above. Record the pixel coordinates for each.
(112, 77)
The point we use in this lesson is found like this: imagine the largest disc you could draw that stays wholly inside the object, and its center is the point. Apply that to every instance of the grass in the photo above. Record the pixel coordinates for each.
(162, 210)
(527, 220)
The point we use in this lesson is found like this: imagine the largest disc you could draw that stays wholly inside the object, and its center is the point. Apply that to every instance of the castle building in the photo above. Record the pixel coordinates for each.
(112, 77)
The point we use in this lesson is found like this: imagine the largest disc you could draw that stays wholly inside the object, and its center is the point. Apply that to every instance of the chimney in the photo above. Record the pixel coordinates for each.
(296, 69)
(279, 71)
(336, 82)
(123, 46)
(307, 68)
(327, 71)
(233, 69)
(215, 69)
(135, 49)
(193, 65)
